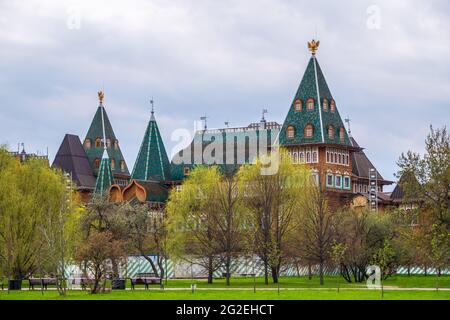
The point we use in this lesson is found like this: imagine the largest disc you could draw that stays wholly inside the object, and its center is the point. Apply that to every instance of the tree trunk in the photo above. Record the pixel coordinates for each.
(228, 269)
(210, 270)
(155, 270)
(275, 274)
(321, 272)
(309, 271)
(266, 273)
(409, 271)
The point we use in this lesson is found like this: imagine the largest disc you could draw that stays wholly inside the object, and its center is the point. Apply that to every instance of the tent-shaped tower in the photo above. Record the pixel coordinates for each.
(152, 163)
(314, 133)
(95, 141)
(104, 174)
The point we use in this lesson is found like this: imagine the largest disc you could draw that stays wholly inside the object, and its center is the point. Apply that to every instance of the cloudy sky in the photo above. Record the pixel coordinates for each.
(386, 63)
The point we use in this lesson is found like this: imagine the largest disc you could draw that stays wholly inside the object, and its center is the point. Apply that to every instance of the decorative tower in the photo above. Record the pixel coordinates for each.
(152, 163)
(314, 133)
(99, 136)
(104, 175)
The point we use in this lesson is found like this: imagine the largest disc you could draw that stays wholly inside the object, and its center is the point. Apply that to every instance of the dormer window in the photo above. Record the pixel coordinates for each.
(108, 143)
(310, 104)
(290, 132)
(116, 144)
(186, 171)
(332, 106)
(309, 131)
(113, 164)
(96, 163)
(325, 105)
(342, 135)
(331, 132)
(87, 143)
(98, 143)
(122, 165)
(298, 106)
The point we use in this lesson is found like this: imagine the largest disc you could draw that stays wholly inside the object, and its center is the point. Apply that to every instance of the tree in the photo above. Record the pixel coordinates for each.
(94, 257)
(384, 257)
(427, 179)
(338, 251)
(146, 231)
(317, 227)
(272, 202)
(440, 245)
(363, 234)
(33, 198)
(229, 220)
(192, 220)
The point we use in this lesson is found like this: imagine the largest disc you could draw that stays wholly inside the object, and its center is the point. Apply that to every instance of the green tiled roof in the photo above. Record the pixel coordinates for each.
(152, 162)
(105, 177)
(96, 131)
(204, 139)
(318, 118)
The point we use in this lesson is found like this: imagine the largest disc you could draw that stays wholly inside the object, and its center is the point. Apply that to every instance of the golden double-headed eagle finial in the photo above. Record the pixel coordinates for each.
(313, 45)
(101, 95)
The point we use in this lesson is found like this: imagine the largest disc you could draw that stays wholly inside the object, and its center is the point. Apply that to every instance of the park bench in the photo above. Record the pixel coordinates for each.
(42, 282)
(145, 279)
(81, 281)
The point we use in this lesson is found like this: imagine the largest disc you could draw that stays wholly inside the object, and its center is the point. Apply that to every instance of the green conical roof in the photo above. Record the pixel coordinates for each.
(152, 163)
(313, 81)
(105, 177)
(95, 152)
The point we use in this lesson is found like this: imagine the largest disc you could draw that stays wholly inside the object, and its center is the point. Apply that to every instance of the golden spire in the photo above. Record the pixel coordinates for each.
(101, 95)
(313, 45)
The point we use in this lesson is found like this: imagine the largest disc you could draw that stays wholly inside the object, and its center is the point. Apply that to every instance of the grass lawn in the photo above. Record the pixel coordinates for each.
(307, 290)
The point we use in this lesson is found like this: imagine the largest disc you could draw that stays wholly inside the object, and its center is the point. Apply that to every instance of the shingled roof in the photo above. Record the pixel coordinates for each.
(362, 164)
(243, 144)
(95, 132)
(313, 80)
(72, 159)
(152, 162)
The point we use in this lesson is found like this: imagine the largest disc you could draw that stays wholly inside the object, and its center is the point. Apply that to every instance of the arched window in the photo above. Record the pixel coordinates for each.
(122, 165)
(116, 144)
(332, 106)
(108, 143)
(87, 143)
(331, 132)
(298, 106)
(96, 163)
(342, 134)
(113, 164)
(309, 131)
(98, 143)
(325, 105)
(310, 104)
(290, 132)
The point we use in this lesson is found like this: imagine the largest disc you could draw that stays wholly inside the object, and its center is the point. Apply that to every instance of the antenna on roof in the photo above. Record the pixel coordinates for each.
(347, 121)
(264, 111)
(152, 103)
(204, 119)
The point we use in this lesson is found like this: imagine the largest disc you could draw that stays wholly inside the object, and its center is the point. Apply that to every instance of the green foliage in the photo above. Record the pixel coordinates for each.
(35, 220)
(426, 180)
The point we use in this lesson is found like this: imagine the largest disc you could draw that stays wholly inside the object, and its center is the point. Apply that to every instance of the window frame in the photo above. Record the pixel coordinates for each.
(336, 185)
(330, 175)
(290, 129)
(309, 128)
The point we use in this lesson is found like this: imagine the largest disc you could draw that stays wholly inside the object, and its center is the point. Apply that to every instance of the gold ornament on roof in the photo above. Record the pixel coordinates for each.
(101, 95)
(313, 45)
